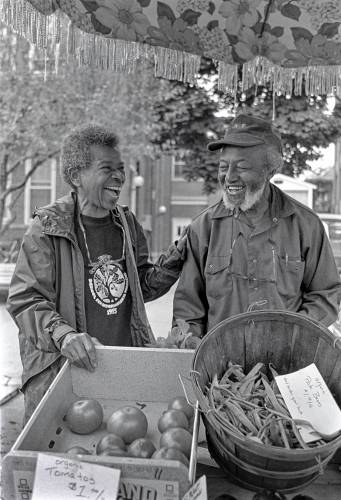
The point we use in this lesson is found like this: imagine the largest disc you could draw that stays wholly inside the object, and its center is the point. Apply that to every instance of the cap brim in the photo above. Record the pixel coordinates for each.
(242, 140)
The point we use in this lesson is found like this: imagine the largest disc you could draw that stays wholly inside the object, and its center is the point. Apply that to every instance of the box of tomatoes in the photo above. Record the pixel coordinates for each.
(129, 414)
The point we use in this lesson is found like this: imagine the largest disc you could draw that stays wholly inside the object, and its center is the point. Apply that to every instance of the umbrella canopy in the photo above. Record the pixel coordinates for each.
(291, 45)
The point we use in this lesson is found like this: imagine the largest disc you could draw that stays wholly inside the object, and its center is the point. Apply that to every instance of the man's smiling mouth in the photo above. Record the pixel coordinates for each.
(234, 189)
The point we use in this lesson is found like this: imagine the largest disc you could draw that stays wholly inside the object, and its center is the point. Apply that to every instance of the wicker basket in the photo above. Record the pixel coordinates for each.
(289, 341)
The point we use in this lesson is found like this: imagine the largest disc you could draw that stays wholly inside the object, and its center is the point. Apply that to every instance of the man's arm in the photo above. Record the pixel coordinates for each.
(190, 302)
(321, 281)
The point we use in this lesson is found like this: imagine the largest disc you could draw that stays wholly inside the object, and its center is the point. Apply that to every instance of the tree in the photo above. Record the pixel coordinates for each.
(304, 123)
(186, 118)
(35, 114)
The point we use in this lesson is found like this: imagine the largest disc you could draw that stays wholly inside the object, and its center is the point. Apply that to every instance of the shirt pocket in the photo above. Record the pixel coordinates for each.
(290, 274)
(217, 276)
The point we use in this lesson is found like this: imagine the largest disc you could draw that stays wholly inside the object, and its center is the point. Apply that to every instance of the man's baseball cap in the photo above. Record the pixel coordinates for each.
(246, 131)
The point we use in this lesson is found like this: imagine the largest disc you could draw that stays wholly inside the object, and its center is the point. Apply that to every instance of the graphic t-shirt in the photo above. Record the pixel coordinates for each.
(107, 294)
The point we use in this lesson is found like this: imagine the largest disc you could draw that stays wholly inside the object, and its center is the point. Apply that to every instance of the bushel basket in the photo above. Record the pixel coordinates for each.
(290, 342)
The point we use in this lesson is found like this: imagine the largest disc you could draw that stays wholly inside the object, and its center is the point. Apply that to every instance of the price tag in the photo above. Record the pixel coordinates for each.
(198, 491)
(307, 397)
(57, 477)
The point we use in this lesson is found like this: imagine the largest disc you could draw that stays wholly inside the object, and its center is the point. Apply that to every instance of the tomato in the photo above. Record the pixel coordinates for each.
(78, 450)
(177, 437)
(84, 416)
(110, 441)
(114, 451)
(180, 403)
(172, 418)
(129, 423)
(165, 453)
(141, 448)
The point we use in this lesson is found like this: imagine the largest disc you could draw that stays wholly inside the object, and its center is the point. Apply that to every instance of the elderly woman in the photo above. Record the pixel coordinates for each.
(257, 247)
(83, 273)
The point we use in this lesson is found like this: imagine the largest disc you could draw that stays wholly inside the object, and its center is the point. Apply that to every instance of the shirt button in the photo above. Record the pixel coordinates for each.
(275, 219)
(210, 266)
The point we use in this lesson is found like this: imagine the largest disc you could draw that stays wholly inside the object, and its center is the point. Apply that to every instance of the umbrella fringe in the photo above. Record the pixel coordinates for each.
(56, 35)
(313, 80)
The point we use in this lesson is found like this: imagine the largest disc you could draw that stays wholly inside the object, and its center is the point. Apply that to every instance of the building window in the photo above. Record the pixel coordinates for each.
(177, 169)
(8, 201)
(40, 189)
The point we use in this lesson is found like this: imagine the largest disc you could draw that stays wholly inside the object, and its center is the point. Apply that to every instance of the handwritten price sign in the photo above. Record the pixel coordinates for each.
(307, 397)
(57, 477)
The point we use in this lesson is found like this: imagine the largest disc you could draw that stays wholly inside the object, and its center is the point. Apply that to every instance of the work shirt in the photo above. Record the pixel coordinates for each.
(283, 262)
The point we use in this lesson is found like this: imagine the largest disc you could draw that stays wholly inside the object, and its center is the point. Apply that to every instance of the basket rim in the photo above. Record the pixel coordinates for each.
(255, 315)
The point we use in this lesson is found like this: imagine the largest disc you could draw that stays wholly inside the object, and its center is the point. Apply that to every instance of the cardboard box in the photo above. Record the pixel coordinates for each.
(148, 378)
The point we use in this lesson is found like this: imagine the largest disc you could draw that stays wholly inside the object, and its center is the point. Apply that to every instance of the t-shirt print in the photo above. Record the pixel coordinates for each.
(108, 283)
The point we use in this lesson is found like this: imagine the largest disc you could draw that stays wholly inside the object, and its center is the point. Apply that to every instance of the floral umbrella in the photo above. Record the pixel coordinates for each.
(293, 45)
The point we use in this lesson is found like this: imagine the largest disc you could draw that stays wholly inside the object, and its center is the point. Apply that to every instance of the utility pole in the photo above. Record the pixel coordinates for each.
(337, 178)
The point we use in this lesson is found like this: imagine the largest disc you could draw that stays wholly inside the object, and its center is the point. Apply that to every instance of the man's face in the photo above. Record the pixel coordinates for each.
(242, 175)
(100, 185)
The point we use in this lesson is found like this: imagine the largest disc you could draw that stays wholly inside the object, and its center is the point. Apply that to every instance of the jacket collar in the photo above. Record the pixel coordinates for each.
(281, 205)
(57, 219)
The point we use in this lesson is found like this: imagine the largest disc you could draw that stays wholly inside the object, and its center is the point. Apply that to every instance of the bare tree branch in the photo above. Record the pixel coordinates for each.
(13, 215)
(21, 184)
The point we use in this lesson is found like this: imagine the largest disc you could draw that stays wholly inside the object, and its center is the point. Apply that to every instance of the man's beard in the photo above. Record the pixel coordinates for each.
(251, 198)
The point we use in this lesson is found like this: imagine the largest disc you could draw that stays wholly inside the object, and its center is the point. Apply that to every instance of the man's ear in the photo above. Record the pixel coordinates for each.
(75, 177)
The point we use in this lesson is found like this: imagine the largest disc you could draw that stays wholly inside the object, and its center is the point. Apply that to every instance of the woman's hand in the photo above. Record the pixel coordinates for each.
(79, 349)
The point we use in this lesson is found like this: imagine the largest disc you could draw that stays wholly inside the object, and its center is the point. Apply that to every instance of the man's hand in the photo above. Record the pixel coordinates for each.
(79, 348)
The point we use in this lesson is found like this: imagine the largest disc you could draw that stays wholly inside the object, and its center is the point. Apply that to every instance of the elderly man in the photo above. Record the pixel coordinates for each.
(83, 273)
(257, 247)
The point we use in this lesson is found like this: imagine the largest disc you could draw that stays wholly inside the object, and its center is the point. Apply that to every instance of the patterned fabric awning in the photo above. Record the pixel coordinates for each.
(293, 45)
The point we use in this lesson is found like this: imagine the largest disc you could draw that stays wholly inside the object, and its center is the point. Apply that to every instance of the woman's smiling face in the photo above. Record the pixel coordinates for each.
(243, 175)
(99, 186)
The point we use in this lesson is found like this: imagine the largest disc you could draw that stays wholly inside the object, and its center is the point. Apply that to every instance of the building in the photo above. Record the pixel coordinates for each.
(166, 202)
(324, 182)
(300, 190)
(156, 191)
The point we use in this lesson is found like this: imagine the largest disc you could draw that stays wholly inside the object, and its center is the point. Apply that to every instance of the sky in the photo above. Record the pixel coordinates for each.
(327, 160)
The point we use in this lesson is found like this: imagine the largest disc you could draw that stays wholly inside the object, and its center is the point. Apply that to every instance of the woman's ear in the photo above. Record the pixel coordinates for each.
(75, 177)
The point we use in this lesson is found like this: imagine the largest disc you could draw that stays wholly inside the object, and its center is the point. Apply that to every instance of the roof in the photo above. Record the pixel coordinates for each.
(286, 181)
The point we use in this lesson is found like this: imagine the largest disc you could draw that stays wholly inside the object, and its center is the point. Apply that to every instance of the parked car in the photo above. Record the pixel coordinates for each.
(332, 224)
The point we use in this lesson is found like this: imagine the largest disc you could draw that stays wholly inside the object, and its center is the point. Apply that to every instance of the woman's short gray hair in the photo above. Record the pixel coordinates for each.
(76, 148)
